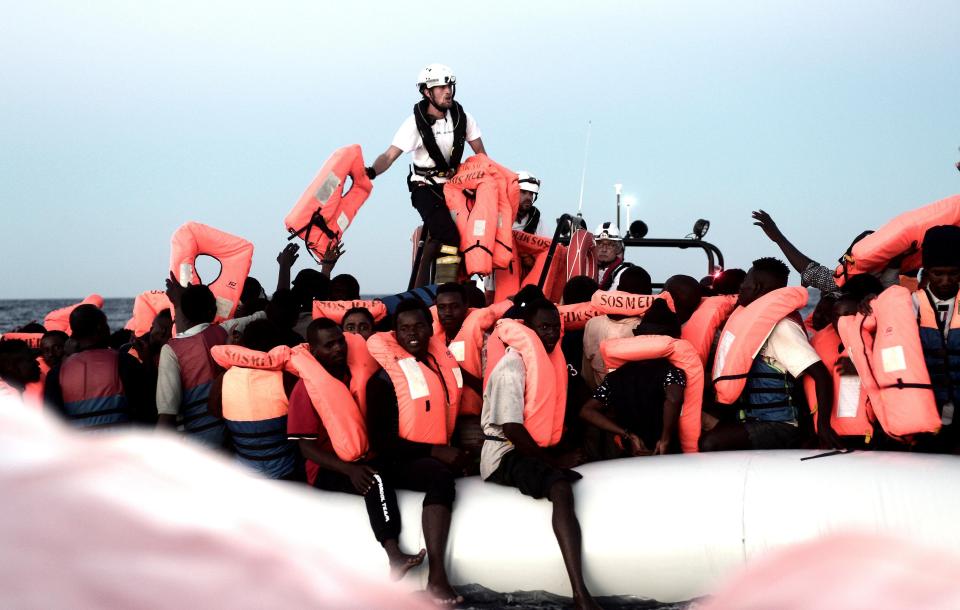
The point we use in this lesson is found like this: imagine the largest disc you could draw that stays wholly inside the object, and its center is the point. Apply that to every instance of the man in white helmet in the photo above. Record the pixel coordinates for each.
(435, 134)
(528, 216)
(610, 261)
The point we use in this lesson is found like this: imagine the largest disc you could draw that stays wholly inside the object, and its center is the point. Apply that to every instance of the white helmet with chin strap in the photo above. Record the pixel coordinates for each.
(607, 230)
(529, 182)
(436, 75)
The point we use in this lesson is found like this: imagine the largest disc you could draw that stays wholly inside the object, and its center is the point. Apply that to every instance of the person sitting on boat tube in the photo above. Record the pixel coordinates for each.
(784, 358)
(18, 367)
(325, 469)
(610, 263)
(937, 303)
(435, 133)
(411, 410)
(640, 402)
(516, 450)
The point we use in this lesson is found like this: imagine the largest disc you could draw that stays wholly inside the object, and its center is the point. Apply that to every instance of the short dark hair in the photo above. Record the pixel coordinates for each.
(860, 285)
(87, 321)
(318, 325)
(31, 327)
(310, 284)
(363, 311)
(411, 305)
(531, 308)
(579, 289)
(728, 282)
(262, 335)
(475, 296)
(452, 288)
(59, 335)
(773, 267)
(283, 309)
(635, 280)
(344, 287)
(198, 304)
(659, 320)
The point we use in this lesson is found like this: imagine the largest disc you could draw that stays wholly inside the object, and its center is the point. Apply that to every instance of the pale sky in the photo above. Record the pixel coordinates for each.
(121, 120)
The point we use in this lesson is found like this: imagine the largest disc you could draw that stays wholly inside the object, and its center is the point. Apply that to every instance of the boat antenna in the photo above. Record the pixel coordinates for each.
(583, 176)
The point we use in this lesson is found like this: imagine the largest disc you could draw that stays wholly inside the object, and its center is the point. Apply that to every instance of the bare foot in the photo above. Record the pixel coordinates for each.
(401, 563)
(443, 595)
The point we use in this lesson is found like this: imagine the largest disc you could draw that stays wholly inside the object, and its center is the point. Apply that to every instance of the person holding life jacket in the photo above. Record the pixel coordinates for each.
(185, 371)
(939, 320)
(96, 387)
(633, 280)
(610, 263)
(523, 410)
(435, 134)
(639, 404)
(412, 406)
(18, 367)
(768, 415)
(326, 420)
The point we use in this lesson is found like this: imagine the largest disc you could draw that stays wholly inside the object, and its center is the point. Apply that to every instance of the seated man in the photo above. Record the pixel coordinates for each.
(767, 414)
(512, 456)
(410, 432)
(633, 280)
(96, 386)
(640, 402)
(359, 321)
(310, 402)
(610, 262)
(18, 367)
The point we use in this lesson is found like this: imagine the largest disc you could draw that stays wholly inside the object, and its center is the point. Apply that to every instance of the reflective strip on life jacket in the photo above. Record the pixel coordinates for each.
(92, 392)
(59, 319)
(233, 253)
(744, 335)
(324, 211)
(680, 354)
(335, 310)
(701, 329)
(852, 414)
(873, 252)
(427, 403)
(342, 409)
(145, 309)
(545, 387)
(472, 195)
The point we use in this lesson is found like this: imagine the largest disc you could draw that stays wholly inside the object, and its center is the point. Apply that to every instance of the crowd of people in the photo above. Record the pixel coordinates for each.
(366, 404)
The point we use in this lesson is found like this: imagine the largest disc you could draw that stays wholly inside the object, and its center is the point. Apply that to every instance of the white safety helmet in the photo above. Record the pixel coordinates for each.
(529, 183)
(607, 230)
(435, 75)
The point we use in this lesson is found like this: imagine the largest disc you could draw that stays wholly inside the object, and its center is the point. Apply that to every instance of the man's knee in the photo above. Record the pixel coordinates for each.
(561, 492)
(441, 488)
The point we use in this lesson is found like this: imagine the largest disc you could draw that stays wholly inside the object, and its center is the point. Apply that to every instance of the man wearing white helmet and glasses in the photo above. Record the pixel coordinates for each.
(610, 261)
(528, 216)
(435, 133)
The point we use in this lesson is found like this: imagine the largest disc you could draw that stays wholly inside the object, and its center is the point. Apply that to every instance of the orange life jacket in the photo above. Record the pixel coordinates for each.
(701, 329)
(342, 409)
(576, 316)
(324, 211)
(335, 310)
(743, 336)
(59, 319)
(145, 309)
(545, 388)
(873, 252)
(233, 253)
(852, 414)
(510, 280)
(508, 204)
(31, 339)
(427, 403)
(472, 195)
(681, 354)
(626, 304)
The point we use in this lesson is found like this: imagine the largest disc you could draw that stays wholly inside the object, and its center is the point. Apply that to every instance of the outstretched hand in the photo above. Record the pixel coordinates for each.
(288, 256)
(765, 222)
(333, 253)
(174, 289)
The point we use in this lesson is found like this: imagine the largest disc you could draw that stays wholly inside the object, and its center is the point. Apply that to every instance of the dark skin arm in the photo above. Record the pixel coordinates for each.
(671, 418)
(798, 260)
(287, 257)
(472, 382)
(361, 475)
(166, 421)
(592, 413)
(824, 384)
(525, 444)
(174, 292)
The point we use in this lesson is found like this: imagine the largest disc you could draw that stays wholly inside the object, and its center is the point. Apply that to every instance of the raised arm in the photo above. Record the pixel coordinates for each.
(798, 259)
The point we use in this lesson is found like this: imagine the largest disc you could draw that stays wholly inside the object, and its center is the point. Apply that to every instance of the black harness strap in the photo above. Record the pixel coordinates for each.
(425, 127)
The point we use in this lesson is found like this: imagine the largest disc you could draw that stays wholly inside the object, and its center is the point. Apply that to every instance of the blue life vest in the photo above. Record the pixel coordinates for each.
(768, 396)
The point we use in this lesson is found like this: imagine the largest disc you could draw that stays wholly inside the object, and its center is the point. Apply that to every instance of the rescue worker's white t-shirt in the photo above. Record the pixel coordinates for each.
(408, 138)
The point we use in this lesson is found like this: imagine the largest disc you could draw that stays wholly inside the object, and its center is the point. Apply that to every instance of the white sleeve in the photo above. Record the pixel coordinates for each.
(789, 346)
(407, 137)
(169, 391)
(238, 325)
(473, 130)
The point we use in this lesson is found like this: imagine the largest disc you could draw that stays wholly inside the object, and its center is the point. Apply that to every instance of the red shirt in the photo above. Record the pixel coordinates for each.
(303, 423)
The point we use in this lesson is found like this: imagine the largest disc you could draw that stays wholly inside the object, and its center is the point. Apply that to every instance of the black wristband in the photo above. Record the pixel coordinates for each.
(371, 173)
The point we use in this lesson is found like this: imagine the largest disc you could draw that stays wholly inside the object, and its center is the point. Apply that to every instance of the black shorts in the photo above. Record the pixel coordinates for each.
(772, 434)
(532, 476)
(429, 202)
